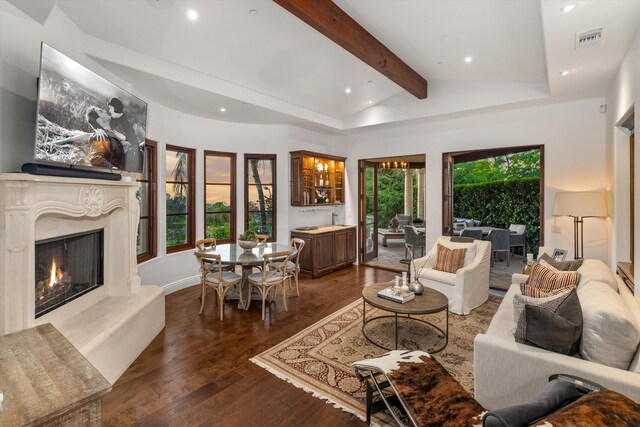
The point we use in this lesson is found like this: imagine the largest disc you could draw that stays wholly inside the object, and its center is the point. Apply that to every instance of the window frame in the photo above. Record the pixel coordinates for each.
(274, 159)
(232, 200)
(191, 194)
(151, 158)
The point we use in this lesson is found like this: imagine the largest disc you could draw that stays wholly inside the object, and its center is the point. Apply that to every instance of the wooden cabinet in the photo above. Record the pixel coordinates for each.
(316, 179)
(327, 251)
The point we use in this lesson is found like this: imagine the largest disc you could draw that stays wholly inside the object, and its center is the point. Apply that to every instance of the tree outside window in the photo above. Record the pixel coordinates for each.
(260, 173)
(179, 193)
(220, 196)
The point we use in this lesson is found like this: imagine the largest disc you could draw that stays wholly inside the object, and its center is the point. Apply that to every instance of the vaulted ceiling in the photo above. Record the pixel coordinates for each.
(264, 65)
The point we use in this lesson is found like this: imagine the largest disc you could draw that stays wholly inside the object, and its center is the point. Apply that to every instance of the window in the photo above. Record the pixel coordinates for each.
(220, 196)
(147, 197)
(180, 192)
(260, 193)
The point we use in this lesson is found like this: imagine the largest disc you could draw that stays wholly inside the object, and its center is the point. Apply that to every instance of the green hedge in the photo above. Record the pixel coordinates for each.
(502, 203)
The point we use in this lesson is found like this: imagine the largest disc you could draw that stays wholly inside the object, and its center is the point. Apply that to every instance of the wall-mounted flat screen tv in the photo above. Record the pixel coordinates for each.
(85, 120)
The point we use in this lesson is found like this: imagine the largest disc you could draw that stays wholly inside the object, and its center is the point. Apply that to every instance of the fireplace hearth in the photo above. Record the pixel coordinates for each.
(67, 267)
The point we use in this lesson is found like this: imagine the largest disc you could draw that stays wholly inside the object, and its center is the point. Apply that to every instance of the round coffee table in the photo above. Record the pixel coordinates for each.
(431, 301)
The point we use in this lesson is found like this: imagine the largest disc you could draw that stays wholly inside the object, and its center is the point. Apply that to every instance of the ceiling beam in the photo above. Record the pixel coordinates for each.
(327, 18)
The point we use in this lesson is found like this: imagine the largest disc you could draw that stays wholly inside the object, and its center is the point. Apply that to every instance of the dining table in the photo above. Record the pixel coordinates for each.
(232, 253)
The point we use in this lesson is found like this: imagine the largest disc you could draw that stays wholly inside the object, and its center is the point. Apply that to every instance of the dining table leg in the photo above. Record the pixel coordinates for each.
(246, 296)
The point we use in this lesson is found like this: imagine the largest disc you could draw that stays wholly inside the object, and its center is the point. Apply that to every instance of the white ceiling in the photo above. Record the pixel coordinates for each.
(270, 67)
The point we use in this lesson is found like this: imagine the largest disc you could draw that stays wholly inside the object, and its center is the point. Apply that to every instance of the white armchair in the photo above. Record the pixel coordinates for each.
(466, 289)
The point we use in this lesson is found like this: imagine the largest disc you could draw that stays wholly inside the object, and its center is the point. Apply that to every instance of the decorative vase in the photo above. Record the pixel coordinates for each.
(247, 245)
(416, 287)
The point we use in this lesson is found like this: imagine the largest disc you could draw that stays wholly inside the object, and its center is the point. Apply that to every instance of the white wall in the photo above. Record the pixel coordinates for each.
(20, 39)
(573, 136)
(623, 96)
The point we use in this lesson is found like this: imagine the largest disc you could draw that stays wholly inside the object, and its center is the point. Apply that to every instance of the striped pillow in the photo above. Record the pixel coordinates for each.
(449, 260)
(546, 281)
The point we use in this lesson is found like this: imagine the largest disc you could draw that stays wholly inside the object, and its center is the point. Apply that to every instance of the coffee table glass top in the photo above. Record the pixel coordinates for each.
(431, 301)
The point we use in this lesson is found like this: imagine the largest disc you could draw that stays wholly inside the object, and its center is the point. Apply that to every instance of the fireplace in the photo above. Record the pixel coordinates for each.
(66, 268)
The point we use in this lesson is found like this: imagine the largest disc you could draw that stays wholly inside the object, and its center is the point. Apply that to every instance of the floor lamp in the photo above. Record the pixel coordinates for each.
(580, 204)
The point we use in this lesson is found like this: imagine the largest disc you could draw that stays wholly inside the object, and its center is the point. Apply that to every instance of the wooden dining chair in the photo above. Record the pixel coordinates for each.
(293, 265)
(210, 243)
(273, 276)
(262, 238)
(216, 279)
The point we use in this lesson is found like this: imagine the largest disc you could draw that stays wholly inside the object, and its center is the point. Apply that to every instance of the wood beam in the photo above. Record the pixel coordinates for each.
(327, 18)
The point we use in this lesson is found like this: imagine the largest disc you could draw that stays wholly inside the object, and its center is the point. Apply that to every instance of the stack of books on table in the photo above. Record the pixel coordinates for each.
(396, 294)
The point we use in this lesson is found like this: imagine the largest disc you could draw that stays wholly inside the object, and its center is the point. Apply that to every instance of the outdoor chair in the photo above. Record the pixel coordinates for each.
(214, 278)
(518, 236)
(472, 233)
(412, 241)
(499, 239)
(403, 220)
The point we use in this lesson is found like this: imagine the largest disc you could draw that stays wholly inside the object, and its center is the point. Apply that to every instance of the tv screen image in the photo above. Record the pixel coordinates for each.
(85, 120)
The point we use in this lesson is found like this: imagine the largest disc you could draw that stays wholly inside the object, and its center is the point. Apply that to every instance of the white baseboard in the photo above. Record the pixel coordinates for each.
(181, 284)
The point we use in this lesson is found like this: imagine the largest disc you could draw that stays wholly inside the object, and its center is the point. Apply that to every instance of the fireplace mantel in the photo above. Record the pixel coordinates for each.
(40, 207)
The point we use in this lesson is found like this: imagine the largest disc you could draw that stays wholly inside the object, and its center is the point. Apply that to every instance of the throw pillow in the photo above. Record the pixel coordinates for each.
(555, 329)
(546, 280)
(519, 304)
(470, 247)
(561, 265)
(449, 260)
(529, 291)
(610, 335)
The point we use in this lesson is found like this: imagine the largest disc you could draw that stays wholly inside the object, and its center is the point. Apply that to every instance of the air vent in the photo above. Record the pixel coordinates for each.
(589, 38)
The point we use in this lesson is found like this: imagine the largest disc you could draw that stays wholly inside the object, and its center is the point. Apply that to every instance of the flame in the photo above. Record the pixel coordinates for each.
(56, 274)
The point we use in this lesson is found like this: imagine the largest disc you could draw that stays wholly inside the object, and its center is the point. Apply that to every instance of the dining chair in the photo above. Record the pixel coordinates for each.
(499, 239)
(214, 278)
(273, 276)
(210, 243)
(412, 241)
(262, 238)
(293, 267)
(518, 238)
(472, 233)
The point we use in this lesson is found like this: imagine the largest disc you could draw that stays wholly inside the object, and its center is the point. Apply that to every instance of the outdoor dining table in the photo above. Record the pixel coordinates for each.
(485, 230)
(232, 253)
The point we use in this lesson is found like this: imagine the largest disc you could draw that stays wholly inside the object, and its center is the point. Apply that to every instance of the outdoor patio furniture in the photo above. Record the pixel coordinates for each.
(499, 239)
(472, 233)
(403, 220)
(413, 241)
(518, 236)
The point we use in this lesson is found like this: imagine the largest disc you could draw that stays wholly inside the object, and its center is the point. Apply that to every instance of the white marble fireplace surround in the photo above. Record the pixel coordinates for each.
(110, 325)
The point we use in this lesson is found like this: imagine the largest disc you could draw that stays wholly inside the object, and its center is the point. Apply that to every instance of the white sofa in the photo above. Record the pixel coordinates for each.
(468, 288)
(508, 373)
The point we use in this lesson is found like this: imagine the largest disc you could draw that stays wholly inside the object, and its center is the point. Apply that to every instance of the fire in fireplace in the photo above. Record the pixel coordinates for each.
(68, 267)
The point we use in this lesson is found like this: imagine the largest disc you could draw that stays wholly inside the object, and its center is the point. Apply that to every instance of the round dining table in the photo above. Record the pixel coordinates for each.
(232, 253)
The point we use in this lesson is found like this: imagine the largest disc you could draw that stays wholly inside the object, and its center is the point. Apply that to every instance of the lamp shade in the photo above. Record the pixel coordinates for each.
(580, 203)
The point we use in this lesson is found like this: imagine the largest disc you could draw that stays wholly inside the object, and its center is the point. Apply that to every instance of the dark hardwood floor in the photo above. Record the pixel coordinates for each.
(197, 370)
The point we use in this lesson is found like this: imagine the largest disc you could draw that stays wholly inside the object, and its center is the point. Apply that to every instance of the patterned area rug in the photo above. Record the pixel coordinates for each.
(318, 358)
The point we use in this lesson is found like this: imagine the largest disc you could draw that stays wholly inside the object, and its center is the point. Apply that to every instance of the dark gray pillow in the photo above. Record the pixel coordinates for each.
(562, 265)
(558, 330)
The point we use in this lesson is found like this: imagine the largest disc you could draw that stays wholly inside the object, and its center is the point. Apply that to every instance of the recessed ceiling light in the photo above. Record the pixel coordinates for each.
(564, 73)
(568, 8)
(370, 101)
(347, 90)
(192, 14)
(222, 109)
(253, 12)
(440, 62)
(370, 82)
(468, 59)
